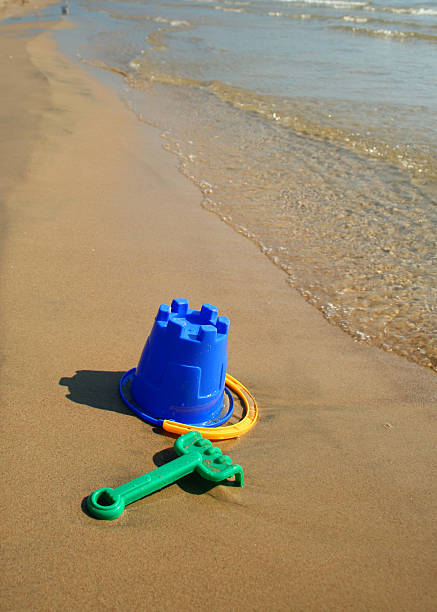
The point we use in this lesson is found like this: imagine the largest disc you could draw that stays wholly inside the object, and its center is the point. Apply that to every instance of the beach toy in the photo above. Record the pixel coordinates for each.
(195, 455)
(180, 381)
(181, 372)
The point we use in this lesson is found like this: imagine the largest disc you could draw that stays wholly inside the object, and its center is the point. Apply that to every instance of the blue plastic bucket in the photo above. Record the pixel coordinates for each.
(182, 369)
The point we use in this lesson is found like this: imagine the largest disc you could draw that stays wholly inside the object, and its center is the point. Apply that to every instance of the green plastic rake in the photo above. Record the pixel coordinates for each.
(196, 454)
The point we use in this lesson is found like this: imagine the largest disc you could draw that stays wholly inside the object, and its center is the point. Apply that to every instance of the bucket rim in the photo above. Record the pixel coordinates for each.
(124, 388)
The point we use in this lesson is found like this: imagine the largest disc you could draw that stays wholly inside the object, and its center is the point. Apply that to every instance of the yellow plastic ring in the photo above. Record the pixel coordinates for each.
(225, 432)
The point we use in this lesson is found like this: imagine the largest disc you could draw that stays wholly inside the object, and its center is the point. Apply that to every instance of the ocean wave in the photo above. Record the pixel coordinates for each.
(388, 33)
(283, 112)
(293, 15)
(422, 11)
(359, 19)
(156, 19)
(367, 6)
(157, 38)
(355, 19)
(382, 20)
(227, 9)
(353, 4)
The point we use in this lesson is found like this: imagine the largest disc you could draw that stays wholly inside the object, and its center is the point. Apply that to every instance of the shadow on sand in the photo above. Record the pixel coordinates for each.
(98, 389)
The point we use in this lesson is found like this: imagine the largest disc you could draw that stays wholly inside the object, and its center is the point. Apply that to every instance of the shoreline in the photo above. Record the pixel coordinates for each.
(337, 509)
(369, 280)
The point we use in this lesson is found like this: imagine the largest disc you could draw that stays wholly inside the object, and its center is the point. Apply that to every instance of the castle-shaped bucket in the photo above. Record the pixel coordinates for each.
(182, 369)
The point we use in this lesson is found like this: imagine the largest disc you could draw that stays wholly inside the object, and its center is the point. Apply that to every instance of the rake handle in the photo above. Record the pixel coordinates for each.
(159, 478)
(109, 504)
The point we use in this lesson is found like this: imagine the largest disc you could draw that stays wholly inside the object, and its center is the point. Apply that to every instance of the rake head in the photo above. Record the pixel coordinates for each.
(213, 465)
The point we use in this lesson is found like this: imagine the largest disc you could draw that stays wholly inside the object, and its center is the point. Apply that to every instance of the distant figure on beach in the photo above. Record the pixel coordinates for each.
(65, 9)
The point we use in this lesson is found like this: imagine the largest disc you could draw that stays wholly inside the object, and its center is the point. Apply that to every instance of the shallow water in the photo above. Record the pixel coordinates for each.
(311, 127)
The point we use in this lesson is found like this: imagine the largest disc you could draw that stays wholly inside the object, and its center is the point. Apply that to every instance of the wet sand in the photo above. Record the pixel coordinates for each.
(99, 228)
(19, 8)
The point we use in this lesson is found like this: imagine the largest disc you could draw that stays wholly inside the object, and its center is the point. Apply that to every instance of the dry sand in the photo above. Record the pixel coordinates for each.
(99, 228)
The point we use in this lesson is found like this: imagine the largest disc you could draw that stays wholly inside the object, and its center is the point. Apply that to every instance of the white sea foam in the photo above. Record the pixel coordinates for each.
(176, 23)
(368, 6)
(171, 22)
(226, 9)
(331, 3)
(302, 16)
(388, 33)
(423, 11)
(355, 19)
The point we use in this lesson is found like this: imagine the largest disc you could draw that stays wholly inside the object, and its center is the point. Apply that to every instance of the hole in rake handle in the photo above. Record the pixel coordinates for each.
(105, 499)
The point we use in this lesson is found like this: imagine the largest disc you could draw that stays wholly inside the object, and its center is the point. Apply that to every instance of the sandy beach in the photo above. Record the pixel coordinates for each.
(98, 229)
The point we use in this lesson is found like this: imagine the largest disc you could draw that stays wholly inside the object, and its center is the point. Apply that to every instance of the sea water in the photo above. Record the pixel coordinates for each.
(310, 126)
